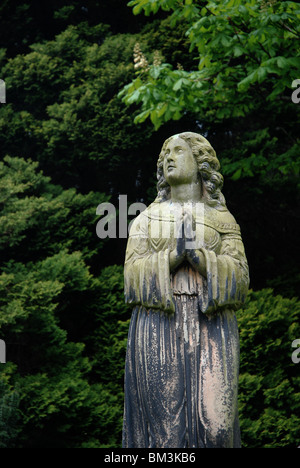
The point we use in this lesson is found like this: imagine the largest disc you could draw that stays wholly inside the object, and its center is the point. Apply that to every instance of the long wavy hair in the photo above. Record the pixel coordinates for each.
(208, 167)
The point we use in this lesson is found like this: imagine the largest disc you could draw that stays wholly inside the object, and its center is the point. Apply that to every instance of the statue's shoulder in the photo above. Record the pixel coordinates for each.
(224, 216)
(225, 222)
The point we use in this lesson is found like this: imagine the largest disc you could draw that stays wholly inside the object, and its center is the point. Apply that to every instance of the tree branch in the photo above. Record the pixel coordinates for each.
(285, 26)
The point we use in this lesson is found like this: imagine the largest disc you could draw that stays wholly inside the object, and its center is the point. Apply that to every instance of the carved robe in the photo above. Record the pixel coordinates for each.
(181, 373)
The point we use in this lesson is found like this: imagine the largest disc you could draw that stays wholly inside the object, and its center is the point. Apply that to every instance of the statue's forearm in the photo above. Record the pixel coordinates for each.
(197, 259)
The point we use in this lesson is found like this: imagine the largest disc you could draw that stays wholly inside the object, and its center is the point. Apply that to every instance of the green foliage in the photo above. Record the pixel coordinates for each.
(246, 52)
(29, 22)
(46, 289)
(153, 6)
(9, 413)
(109, 342)
(63, 108)
(269, 391)
(41, 215)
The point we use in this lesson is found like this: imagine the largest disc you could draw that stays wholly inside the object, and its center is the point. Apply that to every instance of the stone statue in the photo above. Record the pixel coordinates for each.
(185, 275)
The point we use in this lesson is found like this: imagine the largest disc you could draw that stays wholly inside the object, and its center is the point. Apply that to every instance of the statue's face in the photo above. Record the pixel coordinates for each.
(179, 165)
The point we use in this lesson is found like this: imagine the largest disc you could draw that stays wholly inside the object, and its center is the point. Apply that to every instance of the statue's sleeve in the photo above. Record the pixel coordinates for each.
(227, 280)
(146, 272)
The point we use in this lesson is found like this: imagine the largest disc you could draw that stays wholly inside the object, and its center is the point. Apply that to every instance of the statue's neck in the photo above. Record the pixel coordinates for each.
(183, 193)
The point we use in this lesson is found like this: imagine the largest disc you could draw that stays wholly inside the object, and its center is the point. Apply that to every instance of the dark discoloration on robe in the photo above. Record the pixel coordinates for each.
(181, 378)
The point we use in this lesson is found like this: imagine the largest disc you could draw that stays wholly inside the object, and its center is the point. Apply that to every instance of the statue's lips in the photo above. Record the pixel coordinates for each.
(171, 166)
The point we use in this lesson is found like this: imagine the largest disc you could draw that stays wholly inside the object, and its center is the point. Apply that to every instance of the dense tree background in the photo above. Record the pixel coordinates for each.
(69, 142)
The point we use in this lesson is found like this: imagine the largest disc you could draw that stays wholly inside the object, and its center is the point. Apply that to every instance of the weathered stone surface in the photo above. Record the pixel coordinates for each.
(185, 274)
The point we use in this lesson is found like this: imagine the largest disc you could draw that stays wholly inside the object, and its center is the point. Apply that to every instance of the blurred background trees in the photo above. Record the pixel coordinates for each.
(69, 143)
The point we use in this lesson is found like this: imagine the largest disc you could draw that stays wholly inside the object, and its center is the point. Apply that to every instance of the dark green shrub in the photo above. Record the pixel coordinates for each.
(269, 393)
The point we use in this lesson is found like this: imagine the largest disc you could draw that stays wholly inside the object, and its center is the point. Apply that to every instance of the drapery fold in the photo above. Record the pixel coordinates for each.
(181, 379)
(227, 278)
(147, 277)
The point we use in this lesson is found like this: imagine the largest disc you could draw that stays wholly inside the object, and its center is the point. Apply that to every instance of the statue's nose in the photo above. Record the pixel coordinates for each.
(170, 157)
